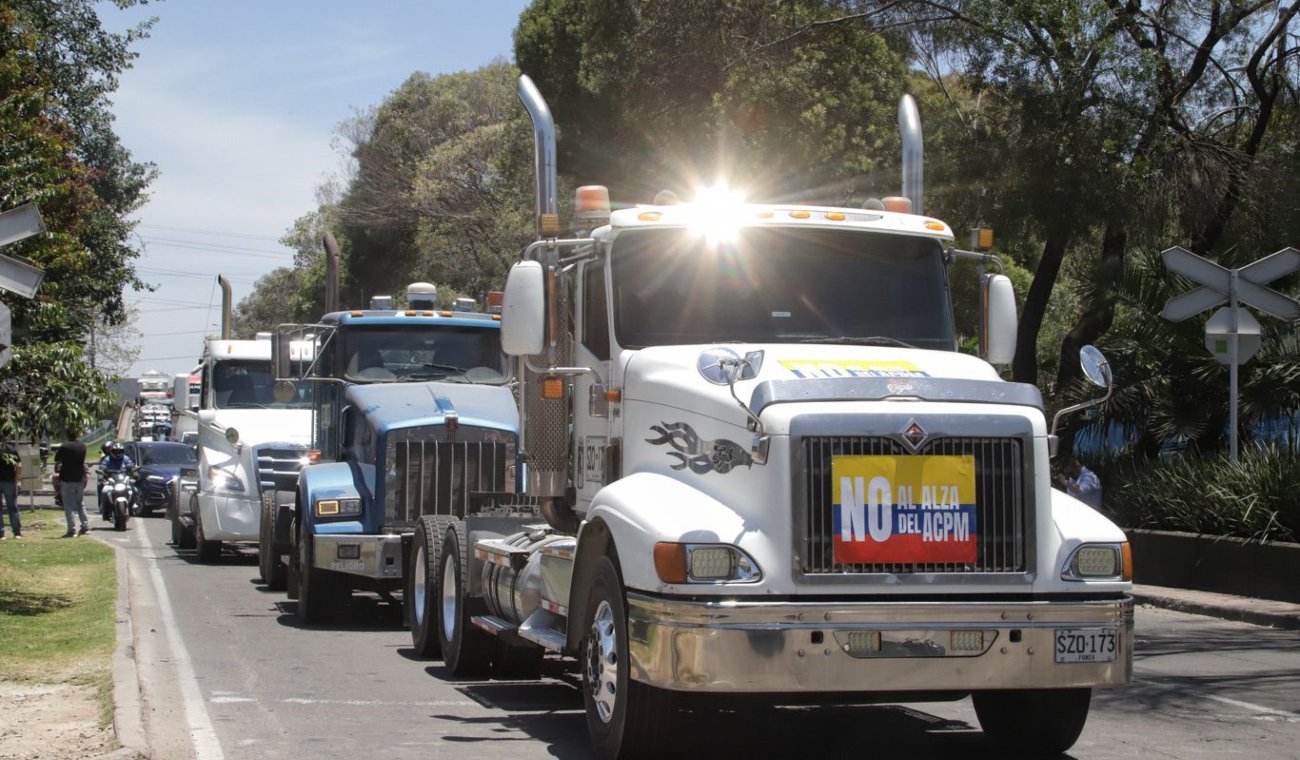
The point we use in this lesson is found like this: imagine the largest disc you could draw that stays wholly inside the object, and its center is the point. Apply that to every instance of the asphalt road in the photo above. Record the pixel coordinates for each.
(227, 672)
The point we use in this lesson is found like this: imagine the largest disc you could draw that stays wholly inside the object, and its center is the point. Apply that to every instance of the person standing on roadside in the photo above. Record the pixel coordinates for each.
(11, 468)
(70, 464)
(1081, 483)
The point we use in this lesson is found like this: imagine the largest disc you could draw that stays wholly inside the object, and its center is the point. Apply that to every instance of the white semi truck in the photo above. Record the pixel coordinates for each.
(250, 445)
(765, 469)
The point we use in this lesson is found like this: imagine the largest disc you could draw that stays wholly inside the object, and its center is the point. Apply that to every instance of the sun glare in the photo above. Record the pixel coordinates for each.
(717, 212)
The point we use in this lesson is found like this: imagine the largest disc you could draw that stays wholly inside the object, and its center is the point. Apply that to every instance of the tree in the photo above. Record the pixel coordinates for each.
(57, 66)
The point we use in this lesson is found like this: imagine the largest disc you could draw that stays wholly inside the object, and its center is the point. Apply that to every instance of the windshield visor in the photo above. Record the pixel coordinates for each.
(432, 352)
(779, 285)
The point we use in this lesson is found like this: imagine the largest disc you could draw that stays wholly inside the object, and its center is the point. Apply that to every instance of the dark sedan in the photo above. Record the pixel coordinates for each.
(158, 462)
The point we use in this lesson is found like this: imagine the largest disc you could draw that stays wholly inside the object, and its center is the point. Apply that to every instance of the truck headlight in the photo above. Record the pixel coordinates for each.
(1099, 562)
(338, 507)
(704, 563)
(223, 480)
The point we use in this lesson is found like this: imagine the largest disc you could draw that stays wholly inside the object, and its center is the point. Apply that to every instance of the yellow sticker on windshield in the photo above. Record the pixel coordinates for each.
(819, 368)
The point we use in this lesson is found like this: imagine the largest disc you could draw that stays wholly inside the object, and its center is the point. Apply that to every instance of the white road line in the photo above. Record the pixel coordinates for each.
(206, 746)
(1289, 716)
(379, 702)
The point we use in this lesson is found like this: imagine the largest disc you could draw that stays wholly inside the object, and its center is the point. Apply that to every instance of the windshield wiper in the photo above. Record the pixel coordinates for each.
(447, 367)
(865, 340)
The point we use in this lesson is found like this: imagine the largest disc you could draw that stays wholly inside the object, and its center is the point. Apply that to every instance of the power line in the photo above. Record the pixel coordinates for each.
(233, 250)
(246, 235)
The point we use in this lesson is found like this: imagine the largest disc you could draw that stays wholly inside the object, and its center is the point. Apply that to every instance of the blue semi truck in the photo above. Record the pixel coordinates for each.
(413, 417)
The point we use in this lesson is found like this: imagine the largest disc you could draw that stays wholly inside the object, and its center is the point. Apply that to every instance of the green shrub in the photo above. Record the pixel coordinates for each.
(1258, 498)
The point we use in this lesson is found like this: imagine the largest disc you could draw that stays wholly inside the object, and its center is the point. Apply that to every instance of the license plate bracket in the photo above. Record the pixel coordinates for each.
(1085, 645)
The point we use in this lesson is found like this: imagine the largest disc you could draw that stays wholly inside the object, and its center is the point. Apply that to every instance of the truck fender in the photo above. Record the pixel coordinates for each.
(645, 508)
(332, 480)
(1075, 523)
(594, 542)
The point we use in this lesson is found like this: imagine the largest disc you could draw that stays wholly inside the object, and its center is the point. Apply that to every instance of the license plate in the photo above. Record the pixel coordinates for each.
(1086, 644)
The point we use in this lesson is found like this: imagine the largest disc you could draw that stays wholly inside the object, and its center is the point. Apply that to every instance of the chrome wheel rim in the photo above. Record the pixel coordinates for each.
(448, 597)
(602, 662)
(418, 590)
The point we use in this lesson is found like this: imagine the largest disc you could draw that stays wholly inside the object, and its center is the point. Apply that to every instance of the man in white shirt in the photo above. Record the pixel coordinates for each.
(1081, 483)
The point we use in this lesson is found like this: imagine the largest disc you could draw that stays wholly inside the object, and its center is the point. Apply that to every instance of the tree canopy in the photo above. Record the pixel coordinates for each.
(57, 67)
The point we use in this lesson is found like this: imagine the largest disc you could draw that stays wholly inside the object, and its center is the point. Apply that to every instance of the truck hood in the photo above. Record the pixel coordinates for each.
(675, 376)
(258, 426)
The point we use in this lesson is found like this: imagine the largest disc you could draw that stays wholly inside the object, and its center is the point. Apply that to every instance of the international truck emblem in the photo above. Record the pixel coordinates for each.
(914, 435)
(702, 457)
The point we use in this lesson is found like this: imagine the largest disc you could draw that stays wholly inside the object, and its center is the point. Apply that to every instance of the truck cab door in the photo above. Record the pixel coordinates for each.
(593, 429)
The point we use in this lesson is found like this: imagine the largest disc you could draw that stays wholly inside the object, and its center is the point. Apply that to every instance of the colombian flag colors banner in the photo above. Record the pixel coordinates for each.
(904, 509)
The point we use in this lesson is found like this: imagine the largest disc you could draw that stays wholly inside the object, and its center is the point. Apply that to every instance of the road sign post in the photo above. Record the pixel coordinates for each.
(1232, 335)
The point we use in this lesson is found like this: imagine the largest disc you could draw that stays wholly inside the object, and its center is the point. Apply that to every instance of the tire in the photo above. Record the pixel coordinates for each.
(273, 571)
(209, 551)
(420, 597)
(187, 538)
(625, 719)
(319, 592)
(120, 514)
(176, 527)
(466, 650)
(1033, 722)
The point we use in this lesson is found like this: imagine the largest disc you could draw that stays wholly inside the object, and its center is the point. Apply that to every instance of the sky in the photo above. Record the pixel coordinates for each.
(237, 103)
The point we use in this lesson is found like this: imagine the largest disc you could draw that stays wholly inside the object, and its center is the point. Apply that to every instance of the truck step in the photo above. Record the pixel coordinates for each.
(492, 624)
(546, 629)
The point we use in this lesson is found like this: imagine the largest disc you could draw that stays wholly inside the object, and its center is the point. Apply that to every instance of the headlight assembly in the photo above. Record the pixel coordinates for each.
(704, 563)
(1099, 562)
(338, 507)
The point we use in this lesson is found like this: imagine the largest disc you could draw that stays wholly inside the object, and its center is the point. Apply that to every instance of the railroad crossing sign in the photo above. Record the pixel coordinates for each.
(1232, 334)
(1216, 284)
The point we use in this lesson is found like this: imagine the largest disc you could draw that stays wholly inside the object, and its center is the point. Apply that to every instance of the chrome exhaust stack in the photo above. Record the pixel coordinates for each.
(225, 306)
(548, 208)
(909, 126)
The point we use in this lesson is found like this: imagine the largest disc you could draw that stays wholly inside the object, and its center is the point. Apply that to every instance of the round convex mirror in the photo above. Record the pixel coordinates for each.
(284, 391)
(1095, 366)
(232, 436)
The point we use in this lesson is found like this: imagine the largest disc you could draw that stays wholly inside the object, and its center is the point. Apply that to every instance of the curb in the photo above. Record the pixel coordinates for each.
(128, 718)
(1262, 612)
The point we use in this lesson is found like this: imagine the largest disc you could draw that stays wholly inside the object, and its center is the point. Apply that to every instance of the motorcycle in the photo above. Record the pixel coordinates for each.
(118, 497)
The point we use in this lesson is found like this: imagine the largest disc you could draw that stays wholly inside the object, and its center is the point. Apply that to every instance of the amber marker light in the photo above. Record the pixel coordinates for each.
(670, 562)
(358, 313)
(764, 215)
(1126, 551)
(313, 456)
(799, 215)
(936, 226)
(614, 395)
(553, 388)
(835, 216)
(649, 216)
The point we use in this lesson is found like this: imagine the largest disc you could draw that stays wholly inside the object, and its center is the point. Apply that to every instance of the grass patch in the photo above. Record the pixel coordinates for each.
(57, 598)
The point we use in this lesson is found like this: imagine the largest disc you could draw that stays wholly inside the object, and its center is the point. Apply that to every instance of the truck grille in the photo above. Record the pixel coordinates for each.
(439, 477)
(278, 466)
(1000, 514)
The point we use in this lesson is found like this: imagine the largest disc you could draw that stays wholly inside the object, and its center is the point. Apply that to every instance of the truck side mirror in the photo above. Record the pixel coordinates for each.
(997, 319)
(523, 312)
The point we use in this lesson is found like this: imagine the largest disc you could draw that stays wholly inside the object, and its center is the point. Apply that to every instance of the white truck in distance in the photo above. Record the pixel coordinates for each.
(767, 471)
(250, 445)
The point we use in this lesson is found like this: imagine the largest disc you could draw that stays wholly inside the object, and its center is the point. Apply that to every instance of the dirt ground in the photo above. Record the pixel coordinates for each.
(51, 722)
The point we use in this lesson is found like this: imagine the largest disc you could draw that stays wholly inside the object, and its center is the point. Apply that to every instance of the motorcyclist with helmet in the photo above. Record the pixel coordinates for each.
(114, 460)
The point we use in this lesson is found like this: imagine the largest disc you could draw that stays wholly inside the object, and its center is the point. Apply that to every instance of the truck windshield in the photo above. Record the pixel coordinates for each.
(388, 353)
(249, 384)
(780, 285)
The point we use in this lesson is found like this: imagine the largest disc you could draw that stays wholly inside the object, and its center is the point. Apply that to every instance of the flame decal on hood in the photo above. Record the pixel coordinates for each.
(702, 457)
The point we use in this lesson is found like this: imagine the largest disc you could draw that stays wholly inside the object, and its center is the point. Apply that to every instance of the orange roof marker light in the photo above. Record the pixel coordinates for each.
(835, 216)
(933, 225)
(591, 203)
(800, 215)
(649, 216)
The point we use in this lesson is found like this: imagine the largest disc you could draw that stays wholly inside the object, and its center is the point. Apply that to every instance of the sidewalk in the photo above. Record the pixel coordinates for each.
(1226, 606)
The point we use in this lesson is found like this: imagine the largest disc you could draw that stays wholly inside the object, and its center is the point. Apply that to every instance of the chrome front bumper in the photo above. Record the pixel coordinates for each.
(378, 557)
(741, 646)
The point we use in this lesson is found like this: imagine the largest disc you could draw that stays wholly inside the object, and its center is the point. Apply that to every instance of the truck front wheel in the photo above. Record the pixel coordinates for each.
(421, 596)
(268, 558)
(1033, 722)
(624, 718)
(209, 551)
(319, 591)
(466, 650)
